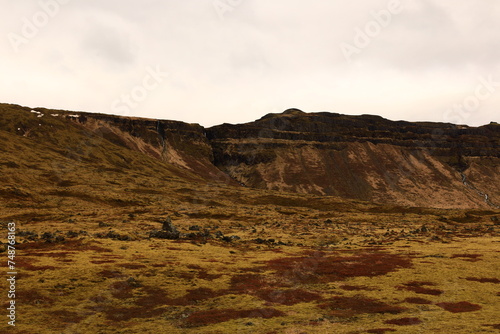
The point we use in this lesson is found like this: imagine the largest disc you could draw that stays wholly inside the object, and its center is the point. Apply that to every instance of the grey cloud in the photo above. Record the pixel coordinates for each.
(430, 37)
(110, 45)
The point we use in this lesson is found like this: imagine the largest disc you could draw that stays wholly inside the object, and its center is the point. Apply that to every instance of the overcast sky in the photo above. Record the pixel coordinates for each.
(215, 61)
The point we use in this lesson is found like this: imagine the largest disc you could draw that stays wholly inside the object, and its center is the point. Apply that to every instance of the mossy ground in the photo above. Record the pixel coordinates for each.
(294, 269)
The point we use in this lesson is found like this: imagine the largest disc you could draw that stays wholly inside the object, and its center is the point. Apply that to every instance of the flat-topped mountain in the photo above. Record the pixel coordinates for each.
(364, 157)
(359, 157)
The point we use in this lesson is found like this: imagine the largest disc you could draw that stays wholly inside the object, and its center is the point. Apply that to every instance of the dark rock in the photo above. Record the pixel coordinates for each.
(133, 282)
(124, 237)
(112, 235)
(194, 228)
(59, 238)
(48, 236)
(29, 235)
(72, 234)
(164, 235)
(170, 228)
(168, 231)
(231, 238)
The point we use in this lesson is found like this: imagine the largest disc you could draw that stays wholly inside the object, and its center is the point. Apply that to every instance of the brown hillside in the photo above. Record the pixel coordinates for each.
(364, 157)
(359, 157)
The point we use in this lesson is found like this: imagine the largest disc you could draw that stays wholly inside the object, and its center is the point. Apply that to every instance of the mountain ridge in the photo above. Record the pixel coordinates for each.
(364, 157)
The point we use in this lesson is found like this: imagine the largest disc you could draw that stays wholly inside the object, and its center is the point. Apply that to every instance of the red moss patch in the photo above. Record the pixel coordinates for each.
(195, 296)
(246, 282)
(459, 307)
(497, 326)
(27, 264)
(102, 261)
(49, 254)
(23, 275)
(124, 313)
(318, 268)
(71, 245)
(380, 330)
(40, 268)
(161, 265)
(468, 257)
(346, 307)
(417, 300)
(157, 297)
(202, 274)
(154, 297)
(418, 287)
(419, 283)
(131, 265)
(484, 280)
(404, 321)
(32, 297)
(194, 266)
(65, 260)
(66, 316)
(287, 297)
(186, 276)
(251, 270)
(356, 288)
(98, 299)
(204, 318)
(110, 273)
(121, 290)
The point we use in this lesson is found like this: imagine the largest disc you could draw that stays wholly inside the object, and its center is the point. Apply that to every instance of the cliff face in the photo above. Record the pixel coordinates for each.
(359, 157)
(177, 143)
(363, 157)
